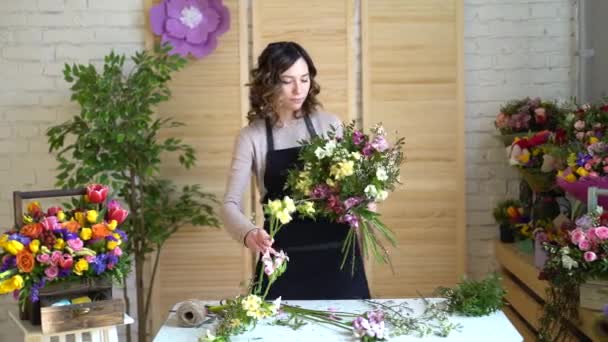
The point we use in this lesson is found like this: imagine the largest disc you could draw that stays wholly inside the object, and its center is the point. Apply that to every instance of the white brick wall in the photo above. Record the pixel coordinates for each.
(513, 48)
(36, 38)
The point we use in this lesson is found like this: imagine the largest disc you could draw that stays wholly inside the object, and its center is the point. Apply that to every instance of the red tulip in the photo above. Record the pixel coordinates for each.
(117, 214)
(97, 193)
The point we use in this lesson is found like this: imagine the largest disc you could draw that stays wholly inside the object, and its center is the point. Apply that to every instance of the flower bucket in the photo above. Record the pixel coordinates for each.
(540, 255)
(525, 246)
(579, 188)
(594, 294)
(537, 180)
(506, 233)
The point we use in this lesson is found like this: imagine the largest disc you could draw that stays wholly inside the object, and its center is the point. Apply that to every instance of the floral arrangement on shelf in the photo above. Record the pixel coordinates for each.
(511, 212)
(61, 245)
(583, 122)
(525, 115)
(343, 175)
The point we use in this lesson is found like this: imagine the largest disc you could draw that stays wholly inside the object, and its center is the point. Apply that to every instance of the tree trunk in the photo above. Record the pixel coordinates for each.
(125, 296)
(141, 315)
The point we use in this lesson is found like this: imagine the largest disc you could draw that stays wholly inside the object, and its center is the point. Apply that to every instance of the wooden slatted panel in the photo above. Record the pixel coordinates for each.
(209, 96)
(323, 28)
(412, 82)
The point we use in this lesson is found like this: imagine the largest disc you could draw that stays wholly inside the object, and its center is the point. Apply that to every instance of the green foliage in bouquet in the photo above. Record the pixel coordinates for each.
(116, 140)
(475, 298)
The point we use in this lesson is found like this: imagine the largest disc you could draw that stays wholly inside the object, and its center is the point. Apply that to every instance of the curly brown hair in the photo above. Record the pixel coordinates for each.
(265, 83)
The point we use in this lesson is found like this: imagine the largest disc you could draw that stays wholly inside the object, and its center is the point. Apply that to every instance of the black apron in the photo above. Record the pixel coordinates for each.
(313, 246)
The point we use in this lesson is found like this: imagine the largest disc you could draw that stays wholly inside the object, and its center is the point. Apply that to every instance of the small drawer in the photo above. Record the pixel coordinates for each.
(82, 316)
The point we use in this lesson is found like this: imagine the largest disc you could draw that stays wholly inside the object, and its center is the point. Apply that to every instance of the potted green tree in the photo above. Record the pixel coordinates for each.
(115, 140)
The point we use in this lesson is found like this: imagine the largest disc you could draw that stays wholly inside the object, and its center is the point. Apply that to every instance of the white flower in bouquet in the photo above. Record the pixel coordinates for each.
(381, 174)
(371, 191)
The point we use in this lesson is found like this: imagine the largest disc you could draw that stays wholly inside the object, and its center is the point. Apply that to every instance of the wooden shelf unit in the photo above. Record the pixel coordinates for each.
(526, 294)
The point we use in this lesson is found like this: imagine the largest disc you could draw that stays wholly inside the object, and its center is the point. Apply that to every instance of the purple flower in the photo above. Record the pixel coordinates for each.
(584, 222)
(358, 137)
(351, 202)
(99, 265)
(123, 235)
(582, 159)
(64, 272)
(372, 326)
(320, 191)
(380, 144)
(352, 220)
(190, 26)
(69, 236)
(367, 150)
(8, 262)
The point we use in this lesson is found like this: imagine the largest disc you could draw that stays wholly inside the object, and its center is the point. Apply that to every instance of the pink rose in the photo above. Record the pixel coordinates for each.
(117, 251)
(602, 233)
(43, 258)
(590, 256)
(90, 258)
(66, 261)
(587, 166)
(584, 245)
(593, 174)
(75, 244)
(579, 125)
(501, 120)
(605, 168)
(577, 236)
(591, 235)
(540, 115)
(55, 257)
(51, 272)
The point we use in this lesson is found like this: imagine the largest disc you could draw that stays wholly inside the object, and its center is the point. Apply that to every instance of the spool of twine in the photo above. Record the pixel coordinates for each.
(191, 313)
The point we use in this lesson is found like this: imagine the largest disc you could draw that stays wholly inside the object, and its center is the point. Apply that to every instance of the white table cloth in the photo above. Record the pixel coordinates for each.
(495, 327)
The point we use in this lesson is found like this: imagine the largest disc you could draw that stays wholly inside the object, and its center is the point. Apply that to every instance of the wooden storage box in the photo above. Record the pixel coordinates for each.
(594, 294)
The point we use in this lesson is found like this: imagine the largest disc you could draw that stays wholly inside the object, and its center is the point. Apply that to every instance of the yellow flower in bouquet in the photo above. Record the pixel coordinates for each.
(342, 169)
(112, 225)
(80, 218)
(13, 247)
(92, 216)
(11, 284)
(81, 266)
(86, 234)
(59, 244)
(34, 246)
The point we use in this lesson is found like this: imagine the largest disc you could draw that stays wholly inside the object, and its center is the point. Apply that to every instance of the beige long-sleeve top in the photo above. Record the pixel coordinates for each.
(250, 156)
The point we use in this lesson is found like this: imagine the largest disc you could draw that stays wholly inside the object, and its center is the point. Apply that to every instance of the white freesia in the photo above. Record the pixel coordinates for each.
(381, 174)
(568, 262)
(320, 153)
(371, 191)
(289, 205)
(329, 148)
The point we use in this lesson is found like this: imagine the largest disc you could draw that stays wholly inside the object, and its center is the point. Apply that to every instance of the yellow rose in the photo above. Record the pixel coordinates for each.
(524, 158)
(13, 247)
(112, 225)
(116, 236)
(35, 246)
(92, 216)
(61, 216)
(571, 178)
(112, 244)
(81, 266)
(3, 240)
(80, 218)
(593, 140)
(59, 244)
(86, 233)
(12, 284)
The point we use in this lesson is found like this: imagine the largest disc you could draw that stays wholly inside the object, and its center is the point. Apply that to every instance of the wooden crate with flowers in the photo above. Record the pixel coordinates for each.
(61, 263)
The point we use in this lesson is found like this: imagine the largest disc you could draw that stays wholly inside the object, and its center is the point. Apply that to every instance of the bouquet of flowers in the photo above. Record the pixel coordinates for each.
(518, 117)
(61, 245)
(342, 176)
(528, 155)
(584, 121)
(509, 212)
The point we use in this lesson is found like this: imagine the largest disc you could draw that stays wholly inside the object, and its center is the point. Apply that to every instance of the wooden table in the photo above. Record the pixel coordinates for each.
(33, 333)
(495, 327)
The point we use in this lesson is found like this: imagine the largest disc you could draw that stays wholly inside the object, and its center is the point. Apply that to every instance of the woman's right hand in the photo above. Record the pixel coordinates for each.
(258, 241)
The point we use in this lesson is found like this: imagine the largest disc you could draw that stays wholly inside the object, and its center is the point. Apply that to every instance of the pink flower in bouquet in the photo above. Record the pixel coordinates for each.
(367, 150)
(43, 258)
(591, 235)
(55, 257)
(580, 135)
(90, 258)
(51, 272)
(501, 120)
(334, 204)
(50, 223)
(540, 115)
(590, 256)
(117, 251)
(97, 193)
(66, 261)
(53, 211)
(351, 220)
(602, 233)
(115, 212)
(579, 125)
(358, 137)
(320, 191)
(380, 144)
(584, 245)
(520, 121)
(75, 244)
(268, 264)
(280, 258)
(577, 236)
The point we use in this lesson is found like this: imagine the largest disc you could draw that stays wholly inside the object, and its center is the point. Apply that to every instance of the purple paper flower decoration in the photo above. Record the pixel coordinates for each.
(190, 26)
